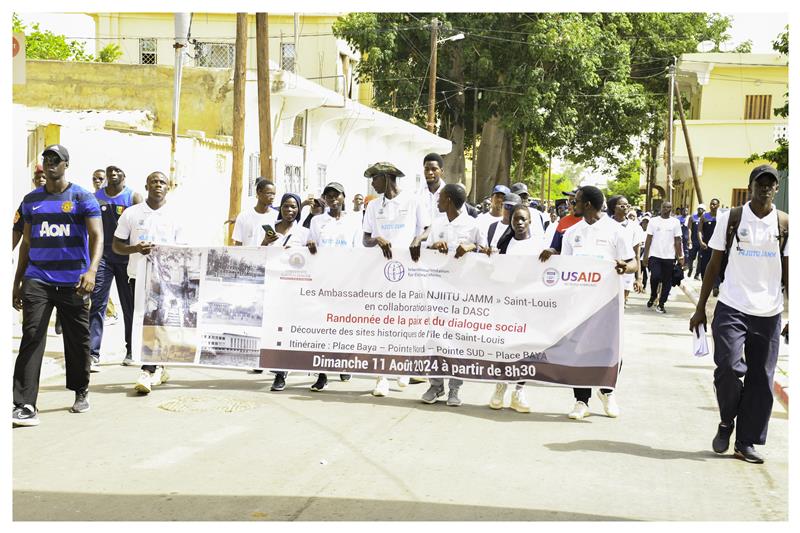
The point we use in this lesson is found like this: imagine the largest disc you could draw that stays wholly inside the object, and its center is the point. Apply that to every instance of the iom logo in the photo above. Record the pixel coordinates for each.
(394, 271)
(53, 230)
(297, 261)
(550, 277)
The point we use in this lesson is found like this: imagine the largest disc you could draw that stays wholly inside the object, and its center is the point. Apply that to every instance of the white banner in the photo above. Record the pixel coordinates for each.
(499, 318)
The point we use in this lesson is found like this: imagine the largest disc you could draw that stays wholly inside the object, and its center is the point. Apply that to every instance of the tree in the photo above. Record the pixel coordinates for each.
(780, 155)
(626, 182)
(48, 45)
(577, 86)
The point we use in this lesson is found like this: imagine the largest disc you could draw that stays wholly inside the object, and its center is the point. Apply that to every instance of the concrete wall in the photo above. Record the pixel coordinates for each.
(206, 94)
(724, 96)
(720, 176)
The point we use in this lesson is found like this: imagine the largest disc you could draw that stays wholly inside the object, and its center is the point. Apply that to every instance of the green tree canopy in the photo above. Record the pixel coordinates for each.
(48, 45)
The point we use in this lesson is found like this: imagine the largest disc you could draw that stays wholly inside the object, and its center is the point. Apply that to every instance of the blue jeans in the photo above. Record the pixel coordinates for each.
(107, 272)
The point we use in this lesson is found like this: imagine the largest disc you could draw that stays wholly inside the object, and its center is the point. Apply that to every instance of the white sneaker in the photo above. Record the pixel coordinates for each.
(402, 382)
(499, 396)
(519, 402)
(581, 410)
(609, 403)
(381, 387)
(159, 377)
(143, 384)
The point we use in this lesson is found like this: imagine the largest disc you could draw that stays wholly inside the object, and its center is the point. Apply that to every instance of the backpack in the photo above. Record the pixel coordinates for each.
(732, 232)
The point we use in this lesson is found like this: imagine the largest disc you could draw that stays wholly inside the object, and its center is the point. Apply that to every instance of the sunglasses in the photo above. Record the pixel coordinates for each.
(572, 202)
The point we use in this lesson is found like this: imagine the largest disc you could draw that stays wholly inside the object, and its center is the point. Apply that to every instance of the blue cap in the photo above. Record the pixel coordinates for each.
(501, 189)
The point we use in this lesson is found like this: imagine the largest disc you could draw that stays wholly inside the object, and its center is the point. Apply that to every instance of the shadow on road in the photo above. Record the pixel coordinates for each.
(36, 505)
(628, 448)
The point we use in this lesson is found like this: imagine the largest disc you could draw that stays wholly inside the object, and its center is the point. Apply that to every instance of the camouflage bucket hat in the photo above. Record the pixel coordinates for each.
(383, 167)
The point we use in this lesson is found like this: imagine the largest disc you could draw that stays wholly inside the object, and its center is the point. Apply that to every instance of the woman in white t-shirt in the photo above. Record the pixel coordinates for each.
(288, 230)
(522, 243)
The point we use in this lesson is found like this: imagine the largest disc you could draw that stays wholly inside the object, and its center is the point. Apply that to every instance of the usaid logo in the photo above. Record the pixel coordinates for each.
(550, 277)
(54, 230)
(582, 278)
(394, 271)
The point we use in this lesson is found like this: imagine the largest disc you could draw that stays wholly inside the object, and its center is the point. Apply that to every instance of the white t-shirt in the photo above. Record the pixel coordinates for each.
(752, 282)
(634, 232)
(461, 230)
(430, 200)
(327, 232)
(247, 229)
(297, 236)
(141, 223)
(664, 231)
(605, 239)
(524, 247)
(398, 220)
(549, 233)
(485, 220)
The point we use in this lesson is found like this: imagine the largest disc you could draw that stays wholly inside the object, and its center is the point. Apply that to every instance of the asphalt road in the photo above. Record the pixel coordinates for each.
(217, 445)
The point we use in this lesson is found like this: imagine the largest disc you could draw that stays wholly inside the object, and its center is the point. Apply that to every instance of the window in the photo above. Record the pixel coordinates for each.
(758, 107)
(291, 178)
(147, 52)
(288, 56)
(322, 176)
(738, 197)
(297, 131)
(214, 55)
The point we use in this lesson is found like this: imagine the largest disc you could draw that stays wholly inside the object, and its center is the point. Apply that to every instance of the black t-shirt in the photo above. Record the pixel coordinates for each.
(707, 227)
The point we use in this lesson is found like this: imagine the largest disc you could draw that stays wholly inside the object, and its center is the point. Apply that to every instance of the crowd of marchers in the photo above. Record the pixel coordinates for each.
(74, 244)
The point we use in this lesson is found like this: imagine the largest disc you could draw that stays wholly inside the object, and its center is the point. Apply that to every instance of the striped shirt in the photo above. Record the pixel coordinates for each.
(111, 208)
(59, 242)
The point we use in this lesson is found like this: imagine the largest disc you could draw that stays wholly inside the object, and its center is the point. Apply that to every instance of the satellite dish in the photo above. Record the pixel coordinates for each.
(705, 46)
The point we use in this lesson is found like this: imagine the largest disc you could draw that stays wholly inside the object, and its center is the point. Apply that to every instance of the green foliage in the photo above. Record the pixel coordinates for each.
(780, 155)
(48, 45)
(109, 53)
(627, 182)
(582, 85)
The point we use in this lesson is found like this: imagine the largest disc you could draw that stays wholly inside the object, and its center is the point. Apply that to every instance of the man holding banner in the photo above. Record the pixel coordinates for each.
(394, 218)
(457, 232)
(597, 236)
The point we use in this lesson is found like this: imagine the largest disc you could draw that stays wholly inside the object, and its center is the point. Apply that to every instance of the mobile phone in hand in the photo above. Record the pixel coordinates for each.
(269, 230)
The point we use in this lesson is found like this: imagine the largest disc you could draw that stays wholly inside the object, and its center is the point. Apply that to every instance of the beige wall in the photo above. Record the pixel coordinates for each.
(206, 94)
(720, 177)
(724, 96)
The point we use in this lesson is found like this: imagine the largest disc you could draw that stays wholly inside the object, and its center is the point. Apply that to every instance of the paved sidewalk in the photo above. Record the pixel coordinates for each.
(218, 445)
(691, 288)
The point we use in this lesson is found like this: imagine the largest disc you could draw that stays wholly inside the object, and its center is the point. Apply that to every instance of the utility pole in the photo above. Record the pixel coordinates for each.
(549, 179)
(432, 81)
(264, 120)
(669, 130)
(475, 95)
(182, 25)
(688, 146)
(240, 69)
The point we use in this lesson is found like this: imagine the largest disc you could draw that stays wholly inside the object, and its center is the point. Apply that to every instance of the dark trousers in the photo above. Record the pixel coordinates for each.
(38, 301)
(705, 257)
(660, 274)
(582, 394)
(132, 283)
(694, 253)
(746, 347)
(107, 273)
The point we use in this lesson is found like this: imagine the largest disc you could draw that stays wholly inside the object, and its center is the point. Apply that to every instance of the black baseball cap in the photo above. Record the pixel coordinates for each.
(573, 192)
(59, 150)
(335, 185)
(760, 170)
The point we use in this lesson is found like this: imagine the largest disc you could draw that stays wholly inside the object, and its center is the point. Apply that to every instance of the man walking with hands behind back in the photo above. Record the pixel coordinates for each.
(747, 319)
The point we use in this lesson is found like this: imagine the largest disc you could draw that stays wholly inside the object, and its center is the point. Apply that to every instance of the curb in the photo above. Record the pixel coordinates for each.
(780, 384)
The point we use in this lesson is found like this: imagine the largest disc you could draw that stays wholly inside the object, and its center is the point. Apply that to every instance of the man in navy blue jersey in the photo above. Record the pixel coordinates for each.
(114, 199)
(62, 242)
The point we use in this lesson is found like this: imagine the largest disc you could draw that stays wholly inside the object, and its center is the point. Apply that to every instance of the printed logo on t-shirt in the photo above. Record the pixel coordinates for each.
(67, 206)
(54, 230)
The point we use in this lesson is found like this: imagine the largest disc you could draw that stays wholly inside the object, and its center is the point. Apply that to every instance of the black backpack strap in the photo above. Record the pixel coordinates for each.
(492, 229)
(732, 232)
(783, 229)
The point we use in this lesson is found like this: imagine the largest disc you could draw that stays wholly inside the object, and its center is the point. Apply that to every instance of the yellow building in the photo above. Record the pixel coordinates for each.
(731, 116)
(302, 43)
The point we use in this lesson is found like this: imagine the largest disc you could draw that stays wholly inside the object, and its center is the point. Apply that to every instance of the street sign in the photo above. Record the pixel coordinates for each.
(18, 57)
